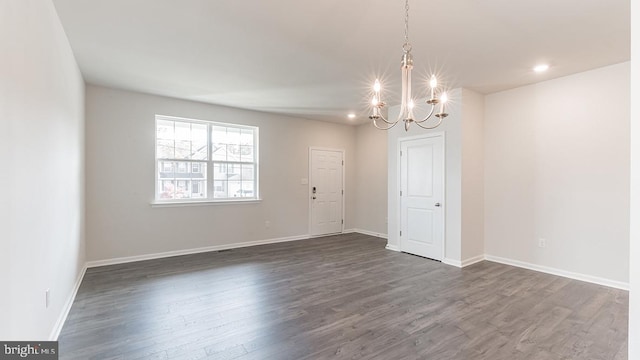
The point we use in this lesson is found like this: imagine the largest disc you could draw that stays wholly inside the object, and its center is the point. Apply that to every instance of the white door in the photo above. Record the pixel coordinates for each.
(325, 191)
(422, 196)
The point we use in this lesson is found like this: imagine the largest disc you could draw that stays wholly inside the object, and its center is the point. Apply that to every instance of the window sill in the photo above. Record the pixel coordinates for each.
(204, 203)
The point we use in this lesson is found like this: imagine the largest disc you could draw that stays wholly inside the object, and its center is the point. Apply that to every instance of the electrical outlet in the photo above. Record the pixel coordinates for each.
(542, 243)
(47, 298)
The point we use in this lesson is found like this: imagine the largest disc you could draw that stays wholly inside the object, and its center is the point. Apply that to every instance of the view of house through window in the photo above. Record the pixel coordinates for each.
(202, 160)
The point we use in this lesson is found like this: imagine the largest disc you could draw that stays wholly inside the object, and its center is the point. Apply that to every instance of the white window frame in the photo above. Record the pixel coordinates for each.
(210, 164)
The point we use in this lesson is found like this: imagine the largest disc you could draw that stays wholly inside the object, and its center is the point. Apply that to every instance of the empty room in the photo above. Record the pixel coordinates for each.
(399, 179)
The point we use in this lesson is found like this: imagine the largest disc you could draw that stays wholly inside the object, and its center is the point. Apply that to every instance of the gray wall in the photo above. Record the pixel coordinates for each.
(371, 180)
(120, 178)
(42, 176)
(557, 167)
(472, 181)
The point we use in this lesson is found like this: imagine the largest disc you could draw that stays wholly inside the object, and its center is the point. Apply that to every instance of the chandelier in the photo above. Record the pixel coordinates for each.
(407, 104)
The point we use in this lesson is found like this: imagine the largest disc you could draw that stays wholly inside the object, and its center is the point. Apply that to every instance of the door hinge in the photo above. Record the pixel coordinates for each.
(400, 192)
(342, 162)
(342, 221)
(400, 152)
(400, 232)
(342, 192)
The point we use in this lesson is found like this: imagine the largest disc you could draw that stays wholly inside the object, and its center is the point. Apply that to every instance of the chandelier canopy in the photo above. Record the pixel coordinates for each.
(407, 104)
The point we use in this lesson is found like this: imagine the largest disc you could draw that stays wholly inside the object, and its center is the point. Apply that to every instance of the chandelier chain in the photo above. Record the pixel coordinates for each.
(406, 22)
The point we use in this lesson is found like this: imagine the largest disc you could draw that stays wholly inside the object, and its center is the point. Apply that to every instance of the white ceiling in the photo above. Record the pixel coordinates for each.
(318, 59)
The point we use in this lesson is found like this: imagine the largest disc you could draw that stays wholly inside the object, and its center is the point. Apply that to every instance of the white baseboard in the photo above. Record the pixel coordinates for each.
(553, 271)
(456, 263)
(473, 260)
(392, 247)
(464, 263)
(128, 259)
(55, 332)
(365, 232)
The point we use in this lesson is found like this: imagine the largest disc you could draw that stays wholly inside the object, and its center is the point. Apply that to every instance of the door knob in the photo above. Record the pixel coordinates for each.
(437, 204)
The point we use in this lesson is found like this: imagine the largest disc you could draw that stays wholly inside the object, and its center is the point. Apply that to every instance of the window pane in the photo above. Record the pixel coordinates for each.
(233, 152)
(220, 189)
(219, 152)
(220, 172)
(233, 136)
(199, 171)
(246, 153)
(247, 172)
(183, 149)
(183, 130)
(248, 189)
(166, 167)
(219, 135)
(165, 149)
(246, 137)
(199, 132)
(167, 189)
(182, 189)
(234, 172)
(198, 189)
(165, 170)
(164, 129)
(235, 188)
(199, 150)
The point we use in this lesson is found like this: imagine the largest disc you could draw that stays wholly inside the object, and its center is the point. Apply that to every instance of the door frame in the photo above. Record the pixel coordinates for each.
(309, 186)
(435, 134)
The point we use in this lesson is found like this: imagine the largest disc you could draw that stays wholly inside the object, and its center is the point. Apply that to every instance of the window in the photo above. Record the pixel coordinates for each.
(202, 160)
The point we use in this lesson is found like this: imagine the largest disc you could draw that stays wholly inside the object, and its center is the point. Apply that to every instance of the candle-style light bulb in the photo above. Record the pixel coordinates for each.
(376, 86)
(433, 83)
(443, 100)
(410, 105)
(374, 100)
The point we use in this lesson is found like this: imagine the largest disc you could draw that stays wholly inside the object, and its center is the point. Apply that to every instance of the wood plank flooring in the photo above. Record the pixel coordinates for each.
(338, 297)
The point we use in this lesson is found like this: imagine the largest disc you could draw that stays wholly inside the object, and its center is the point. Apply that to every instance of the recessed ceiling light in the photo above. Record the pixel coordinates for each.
(351, 116)
(541, 68)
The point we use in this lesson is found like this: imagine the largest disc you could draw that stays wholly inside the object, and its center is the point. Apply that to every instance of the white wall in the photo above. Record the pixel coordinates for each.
(557, 167)
(42, 114)
(472, 175)
(371, 180)
(120, 178)
(634, 295)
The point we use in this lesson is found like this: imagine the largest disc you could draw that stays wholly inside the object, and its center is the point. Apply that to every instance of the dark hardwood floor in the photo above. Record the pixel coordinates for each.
(338, 297)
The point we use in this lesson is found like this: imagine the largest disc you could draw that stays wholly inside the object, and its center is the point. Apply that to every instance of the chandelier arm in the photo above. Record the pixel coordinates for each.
(430, 127)
(392, 124)
(385, 120)
(428, 116)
